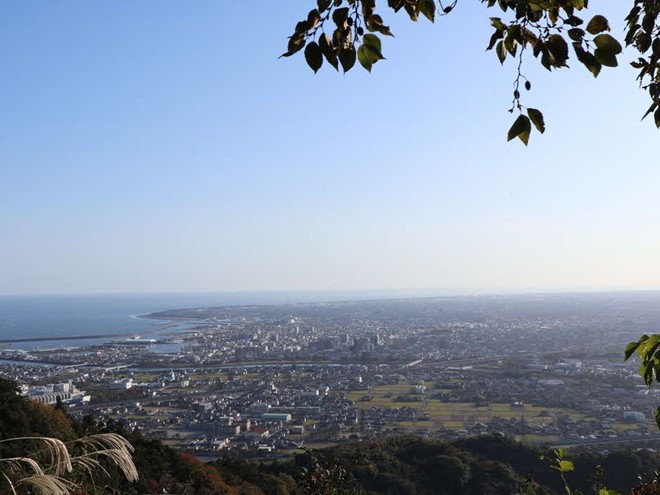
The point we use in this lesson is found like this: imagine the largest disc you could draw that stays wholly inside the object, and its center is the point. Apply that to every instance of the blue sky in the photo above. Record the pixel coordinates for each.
(163, 146)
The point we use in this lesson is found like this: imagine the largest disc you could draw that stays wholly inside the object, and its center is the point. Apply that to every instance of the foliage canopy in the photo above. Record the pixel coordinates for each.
(342, 33)
(647, 348)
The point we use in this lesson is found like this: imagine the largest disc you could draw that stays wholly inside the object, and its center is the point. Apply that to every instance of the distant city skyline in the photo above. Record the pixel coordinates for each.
(168, 149)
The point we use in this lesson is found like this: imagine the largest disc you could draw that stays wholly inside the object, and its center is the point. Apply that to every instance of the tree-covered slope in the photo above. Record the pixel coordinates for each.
(403, 465)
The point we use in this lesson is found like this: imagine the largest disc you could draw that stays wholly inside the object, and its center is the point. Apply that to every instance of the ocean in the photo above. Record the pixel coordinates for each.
(48, 316)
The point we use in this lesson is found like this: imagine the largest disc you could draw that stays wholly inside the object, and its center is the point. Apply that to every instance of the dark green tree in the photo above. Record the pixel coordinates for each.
(320, 477)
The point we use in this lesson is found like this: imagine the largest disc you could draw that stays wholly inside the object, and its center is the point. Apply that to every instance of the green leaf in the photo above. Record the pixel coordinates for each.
(497, 35)
(313, 18)
(296, 43)
(500, 49)
(325, 44)
(643, 41)
(347, 58)
(648, 23)
(576, 34)
(520, 129)
(656, 414)
(607, 43)
(364, 58)
(314, 56)
(630, 349)
(302, 27)
(587, 59)
(598, 24)
(396, 4)
(323, 4)
(648, 346)
(559, 49)
(649, 111)
(339, 16)
(368, 8)
(375, 24)
(513, 36)
(566, 466)
(367, 56)
(497, 23)
(412, 9)
(646, 371)
(537, 119)
(373, 41)
(608, 59)
(427, 7)
(530, 37)
(573, 21)
(369, 53)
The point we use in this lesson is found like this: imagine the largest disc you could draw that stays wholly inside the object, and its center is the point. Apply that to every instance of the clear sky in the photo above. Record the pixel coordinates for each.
(163, 146)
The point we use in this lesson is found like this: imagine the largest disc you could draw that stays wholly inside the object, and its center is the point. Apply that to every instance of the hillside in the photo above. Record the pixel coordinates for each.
(404, 465)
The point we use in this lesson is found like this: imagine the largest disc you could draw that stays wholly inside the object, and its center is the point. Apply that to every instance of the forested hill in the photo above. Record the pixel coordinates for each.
(403, 465)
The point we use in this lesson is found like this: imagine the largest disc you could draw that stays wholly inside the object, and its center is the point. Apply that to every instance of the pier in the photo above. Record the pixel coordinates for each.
(64, 337)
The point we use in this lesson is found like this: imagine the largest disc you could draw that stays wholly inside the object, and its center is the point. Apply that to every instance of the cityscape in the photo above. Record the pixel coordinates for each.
(262, 382)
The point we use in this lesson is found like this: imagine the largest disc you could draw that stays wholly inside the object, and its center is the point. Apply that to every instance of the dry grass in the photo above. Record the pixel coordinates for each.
(44, 470)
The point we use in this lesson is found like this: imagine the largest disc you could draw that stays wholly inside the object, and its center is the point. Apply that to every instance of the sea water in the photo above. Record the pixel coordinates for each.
(48, 316)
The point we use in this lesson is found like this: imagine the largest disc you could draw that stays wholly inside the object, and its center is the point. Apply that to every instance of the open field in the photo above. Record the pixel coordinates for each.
(454, 415)
(249, 376)
(215, 375)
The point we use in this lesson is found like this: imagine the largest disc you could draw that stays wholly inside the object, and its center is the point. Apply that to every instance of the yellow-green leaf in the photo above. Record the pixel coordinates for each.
(537, 119)
(520, 129)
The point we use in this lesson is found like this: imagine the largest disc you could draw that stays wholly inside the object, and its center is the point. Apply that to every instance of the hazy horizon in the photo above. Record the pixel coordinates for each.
(403, 292)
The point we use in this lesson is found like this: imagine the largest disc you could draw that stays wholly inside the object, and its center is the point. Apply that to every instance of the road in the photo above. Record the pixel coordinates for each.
(607, 441)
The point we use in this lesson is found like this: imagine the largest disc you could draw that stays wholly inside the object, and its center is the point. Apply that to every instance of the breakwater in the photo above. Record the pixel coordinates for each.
(64, 337)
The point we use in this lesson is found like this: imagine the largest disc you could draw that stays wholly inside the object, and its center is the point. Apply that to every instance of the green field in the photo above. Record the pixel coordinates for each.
(249, 377)
(454, 415)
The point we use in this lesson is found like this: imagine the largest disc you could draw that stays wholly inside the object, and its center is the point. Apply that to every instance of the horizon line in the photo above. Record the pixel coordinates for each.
(442, 292)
